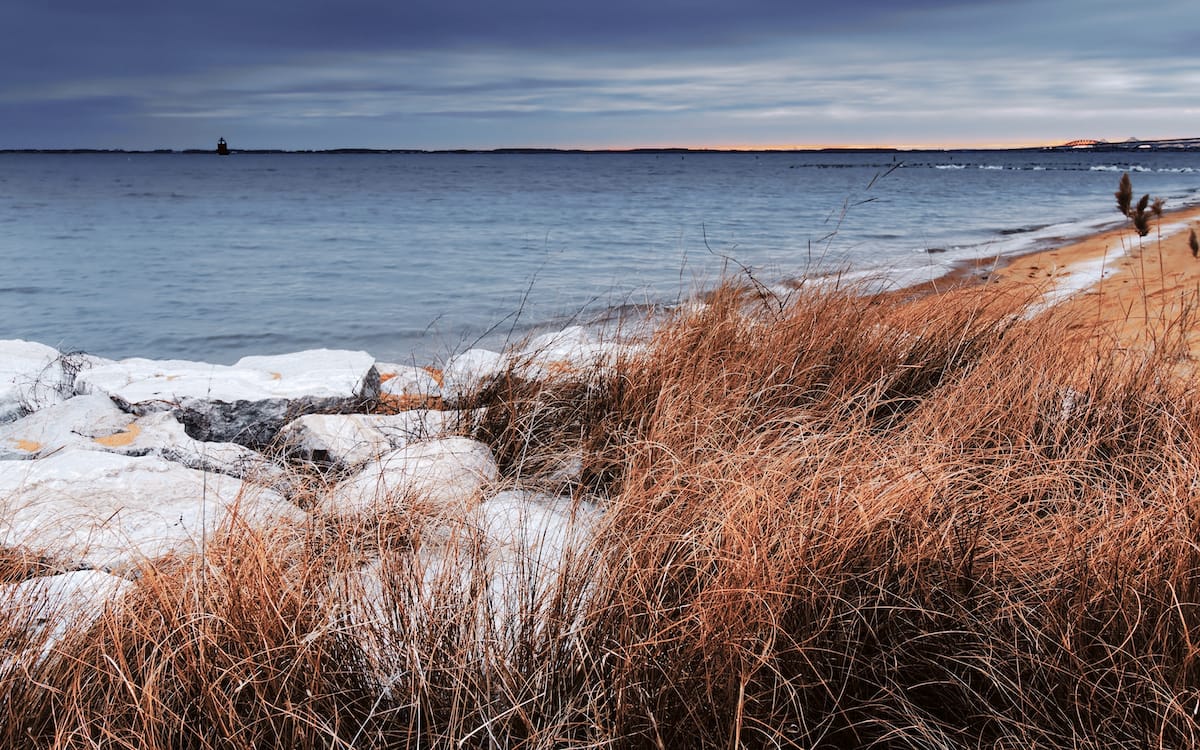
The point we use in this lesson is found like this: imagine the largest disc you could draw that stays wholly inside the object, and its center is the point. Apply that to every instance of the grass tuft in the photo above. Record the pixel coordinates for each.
(843, 521)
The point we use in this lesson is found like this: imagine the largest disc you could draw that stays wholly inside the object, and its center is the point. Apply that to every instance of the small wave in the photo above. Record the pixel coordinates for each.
(949, 166)
(991, 167)
(1010, 231)
(1118, 168)
(1177, 170)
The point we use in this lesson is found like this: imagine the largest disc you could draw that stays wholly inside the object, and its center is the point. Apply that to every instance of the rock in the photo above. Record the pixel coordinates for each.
(532, 533)
(46, 609)
(94, 422)
(352, 439)
(408, 387)
(465, 373)
(244, 403)
(443, 476)
(571, 353)
(521, 546)
(161, 434)
(78, 422)
(115, 512)
(30, 377)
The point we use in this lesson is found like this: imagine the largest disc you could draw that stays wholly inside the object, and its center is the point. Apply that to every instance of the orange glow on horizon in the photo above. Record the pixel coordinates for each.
(903, 146)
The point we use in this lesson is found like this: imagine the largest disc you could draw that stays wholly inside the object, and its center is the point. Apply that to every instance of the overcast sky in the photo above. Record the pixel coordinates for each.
(603, 73)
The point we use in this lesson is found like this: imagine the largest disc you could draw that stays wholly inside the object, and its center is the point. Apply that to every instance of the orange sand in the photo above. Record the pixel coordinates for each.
(1150, 296)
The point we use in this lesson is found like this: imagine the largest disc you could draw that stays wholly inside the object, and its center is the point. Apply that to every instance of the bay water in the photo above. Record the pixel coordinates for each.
(413, 257)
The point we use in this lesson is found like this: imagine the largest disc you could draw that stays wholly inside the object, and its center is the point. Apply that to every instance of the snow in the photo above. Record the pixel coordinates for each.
(114, 512)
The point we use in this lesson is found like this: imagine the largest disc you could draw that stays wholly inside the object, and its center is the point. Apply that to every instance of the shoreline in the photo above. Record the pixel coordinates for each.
(1131, 290)
(948, 470)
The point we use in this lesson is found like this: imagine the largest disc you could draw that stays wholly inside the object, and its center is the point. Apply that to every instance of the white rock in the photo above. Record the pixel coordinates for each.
(114, 512)
(161, 434)
(466, 372)
(246, 402)
(441, 475)
(94, 422)
(50, 607)
(30, 377)
(532, 533)
(569, 353)
(75, 423)
(352, 439)
(521, 544)
(408, 382)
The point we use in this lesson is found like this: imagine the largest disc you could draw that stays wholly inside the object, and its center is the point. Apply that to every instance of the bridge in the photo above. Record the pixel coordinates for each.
(1133, 144)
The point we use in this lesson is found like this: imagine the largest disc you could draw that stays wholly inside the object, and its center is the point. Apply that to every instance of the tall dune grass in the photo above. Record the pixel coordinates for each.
(841, 522)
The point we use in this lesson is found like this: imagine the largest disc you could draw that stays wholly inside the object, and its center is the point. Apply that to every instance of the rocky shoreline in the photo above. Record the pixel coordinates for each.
(108, 468)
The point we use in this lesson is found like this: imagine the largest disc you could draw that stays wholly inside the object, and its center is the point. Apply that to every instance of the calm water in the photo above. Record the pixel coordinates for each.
(415, 256)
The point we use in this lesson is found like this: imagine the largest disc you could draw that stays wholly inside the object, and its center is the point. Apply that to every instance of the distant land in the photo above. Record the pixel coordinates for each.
(1132, 144)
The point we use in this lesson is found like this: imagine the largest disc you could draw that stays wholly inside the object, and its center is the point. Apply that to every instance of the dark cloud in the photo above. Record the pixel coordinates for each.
(419, 73)
(124, 36)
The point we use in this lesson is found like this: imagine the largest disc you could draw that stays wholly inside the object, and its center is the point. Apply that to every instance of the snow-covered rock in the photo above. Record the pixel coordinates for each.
(161, 434)
(408, 386)
(75, 423)
(352, 439)
(246, 402)
(443, 476)
(524, 545)
(532, 533)
(570, 353)
(114, 512)
(94, 422)
(45, 609)
(468, 371)
(31, 376)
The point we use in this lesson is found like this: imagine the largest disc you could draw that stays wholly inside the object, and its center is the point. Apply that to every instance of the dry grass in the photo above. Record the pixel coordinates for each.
(847, 522)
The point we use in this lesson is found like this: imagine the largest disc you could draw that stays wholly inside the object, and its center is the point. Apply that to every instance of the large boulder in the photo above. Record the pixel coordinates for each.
(40, 612)
(115, 512)
(244, 403)
(353, 439)
(440, 476)
(409, 387)
(94, 422)
(574, 353)
(31, 376)
(467, 372)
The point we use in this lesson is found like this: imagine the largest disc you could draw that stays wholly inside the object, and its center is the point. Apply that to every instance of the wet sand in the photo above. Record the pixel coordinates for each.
(1131, 292)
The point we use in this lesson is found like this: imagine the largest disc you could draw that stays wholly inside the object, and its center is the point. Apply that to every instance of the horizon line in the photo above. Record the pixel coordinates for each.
(1082, 144)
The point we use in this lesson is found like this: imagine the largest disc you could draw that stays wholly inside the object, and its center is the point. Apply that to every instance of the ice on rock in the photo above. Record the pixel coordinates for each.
(30, 376)
(94, 422)
(46, 609)
(443, 476)
(244, 403)
(352, 439)
(408, 385)
(75, 423)
(572, 352)
(115, 512)
(466, 372)
(524, 545)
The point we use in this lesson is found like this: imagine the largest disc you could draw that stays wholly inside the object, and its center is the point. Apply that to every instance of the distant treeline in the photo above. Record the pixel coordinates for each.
(1178, 144)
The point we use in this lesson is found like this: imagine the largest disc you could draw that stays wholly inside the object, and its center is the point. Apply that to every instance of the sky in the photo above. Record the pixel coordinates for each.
(439, 74)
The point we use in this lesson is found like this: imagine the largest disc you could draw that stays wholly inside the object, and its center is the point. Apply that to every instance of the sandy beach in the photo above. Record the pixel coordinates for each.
(957, 516)
(1121, 290)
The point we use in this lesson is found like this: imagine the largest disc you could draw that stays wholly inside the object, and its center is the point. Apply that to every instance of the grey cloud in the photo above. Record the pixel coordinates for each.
(312, 74)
